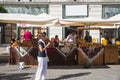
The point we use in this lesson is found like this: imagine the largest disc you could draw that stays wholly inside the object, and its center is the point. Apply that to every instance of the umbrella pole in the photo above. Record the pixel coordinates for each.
(19, 57)
(100, 36)
(88, 62)
(116, 32)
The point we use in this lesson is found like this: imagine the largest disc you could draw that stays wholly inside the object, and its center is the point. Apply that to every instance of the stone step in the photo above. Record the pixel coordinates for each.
(4, 57)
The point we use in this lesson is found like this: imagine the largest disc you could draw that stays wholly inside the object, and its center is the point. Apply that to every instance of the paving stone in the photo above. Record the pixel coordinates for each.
(105, 72)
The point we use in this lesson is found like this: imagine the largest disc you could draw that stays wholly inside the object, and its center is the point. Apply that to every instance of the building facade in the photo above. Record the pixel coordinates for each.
(61, 9)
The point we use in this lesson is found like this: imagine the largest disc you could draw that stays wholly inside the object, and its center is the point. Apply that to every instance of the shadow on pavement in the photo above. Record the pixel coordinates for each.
(71, 76)
(16, 69)
(3, 61)
(17, 76)
(3, 64)
(27, 67)
(78, 67)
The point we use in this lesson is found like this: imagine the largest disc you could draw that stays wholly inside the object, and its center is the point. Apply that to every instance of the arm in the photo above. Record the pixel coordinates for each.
(42, 49)
(68, 37)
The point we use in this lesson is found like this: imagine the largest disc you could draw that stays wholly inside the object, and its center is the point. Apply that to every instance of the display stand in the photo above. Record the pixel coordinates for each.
(111, 54)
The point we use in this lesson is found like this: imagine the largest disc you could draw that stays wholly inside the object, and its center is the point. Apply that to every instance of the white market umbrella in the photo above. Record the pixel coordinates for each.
(46, 17)
(115, 19)
(24, 18)
(90, 21)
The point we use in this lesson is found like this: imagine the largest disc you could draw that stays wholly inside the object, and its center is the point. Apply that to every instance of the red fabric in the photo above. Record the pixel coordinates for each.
(50, 51)
(56, 40)
(27, 36)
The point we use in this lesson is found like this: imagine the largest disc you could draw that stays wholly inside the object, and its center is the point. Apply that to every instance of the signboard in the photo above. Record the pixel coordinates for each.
(76, 10)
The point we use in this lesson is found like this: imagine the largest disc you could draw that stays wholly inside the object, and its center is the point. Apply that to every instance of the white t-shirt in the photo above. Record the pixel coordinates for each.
(71, 38)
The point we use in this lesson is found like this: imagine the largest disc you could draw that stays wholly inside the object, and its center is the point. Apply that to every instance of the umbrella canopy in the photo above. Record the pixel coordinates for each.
(25, 18)
(90, 21)
(115, 19)
(46, 17)
(50, 19)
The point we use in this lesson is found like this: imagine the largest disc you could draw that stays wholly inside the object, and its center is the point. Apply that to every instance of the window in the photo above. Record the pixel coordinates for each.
(110, 10)
(27, 9)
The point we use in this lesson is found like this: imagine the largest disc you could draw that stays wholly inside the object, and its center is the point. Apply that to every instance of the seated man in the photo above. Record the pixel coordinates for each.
(88, 38)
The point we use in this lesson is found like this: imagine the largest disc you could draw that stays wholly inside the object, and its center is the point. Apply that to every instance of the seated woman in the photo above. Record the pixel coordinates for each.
(52, 42)
(13, 43)
(56, 41)
(26, 39)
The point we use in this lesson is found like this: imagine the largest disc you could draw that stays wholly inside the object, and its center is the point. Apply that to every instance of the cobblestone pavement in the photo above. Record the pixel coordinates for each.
(12, 72)
(109, 72)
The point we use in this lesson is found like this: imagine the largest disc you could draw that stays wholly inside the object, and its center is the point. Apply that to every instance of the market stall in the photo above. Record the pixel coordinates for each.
(27, 52)
(93, 54)
(96, 53)
(83, 54)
